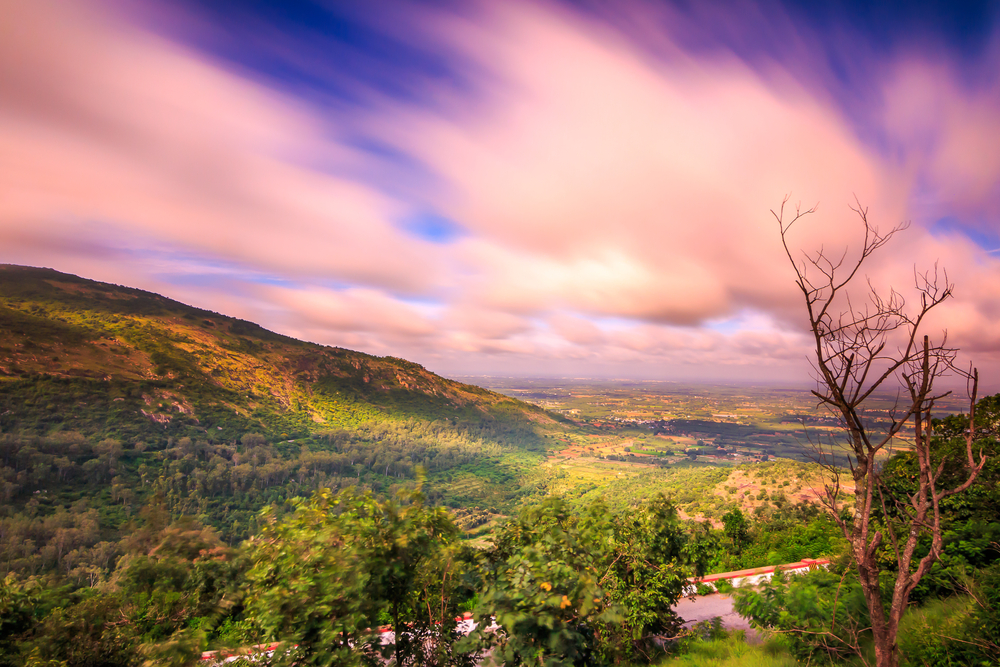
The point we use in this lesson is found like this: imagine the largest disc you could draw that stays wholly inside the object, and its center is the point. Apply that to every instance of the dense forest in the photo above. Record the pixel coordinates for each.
(115, 395)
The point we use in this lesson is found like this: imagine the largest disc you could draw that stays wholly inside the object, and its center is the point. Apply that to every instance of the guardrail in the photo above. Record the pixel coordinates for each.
(756, 575)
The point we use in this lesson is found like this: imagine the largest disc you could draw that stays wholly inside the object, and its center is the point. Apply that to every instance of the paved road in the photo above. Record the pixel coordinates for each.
(705, 607)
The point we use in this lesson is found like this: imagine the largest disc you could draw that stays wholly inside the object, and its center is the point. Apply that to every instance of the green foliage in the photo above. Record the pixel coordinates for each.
(583, 589)
(543, 590)
(18, 602)
(651, 560)
(325, 574)
(784, 535)
(225, 483)
(730, 650)
(724, 586)
(969, 520)
(704, 589)
(984, 625)
(111, 397)
(934, 634)
(163, 597)
(117, 361)
(822, 614)
(307, 585)
(737, 529)
(86, 629)
(960, 630)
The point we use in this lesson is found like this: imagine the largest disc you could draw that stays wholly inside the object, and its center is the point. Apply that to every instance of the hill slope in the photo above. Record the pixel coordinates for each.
(112, 398)
(108, 360)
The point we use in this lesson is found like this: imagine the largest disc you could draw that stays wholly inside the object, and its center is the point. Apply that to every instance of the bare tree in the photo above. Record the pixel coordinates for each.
(861, 350)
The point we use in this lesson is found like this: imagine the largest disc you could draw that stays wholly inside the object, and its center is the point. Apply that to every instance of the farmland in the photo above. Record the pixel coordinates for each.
(668, 421)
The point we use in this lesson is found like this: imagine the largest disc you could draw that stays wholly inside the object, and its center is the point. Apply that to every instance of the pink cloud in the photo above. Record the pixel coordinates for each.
(100, 121)
(619, 185)
(354, 310)
(948, 133)
(602, 181)
(614, 203)
(482, 322)
(576, 330)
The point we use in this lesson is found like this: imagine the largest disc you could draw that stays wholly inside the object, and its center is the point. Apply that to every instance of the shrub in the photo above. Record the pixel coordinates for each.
(723, 649)
(936, 634)
(586, 589)
(724, 586)
(823, 614)
(961, 630)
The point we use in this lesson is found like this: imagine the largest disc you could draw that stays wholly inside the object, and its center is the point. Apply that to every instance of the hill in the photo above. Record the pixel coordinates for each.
(111, 396)
(103, 359)
(115, 395)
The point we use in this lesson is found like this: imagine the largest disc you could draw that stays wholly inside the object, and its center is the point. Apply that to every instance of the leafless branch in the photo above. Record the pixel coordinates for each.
(857, 348)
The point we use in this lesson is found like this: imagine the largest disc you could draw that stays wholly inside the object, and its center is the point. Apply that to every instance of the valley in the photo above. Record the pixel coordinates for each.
(146, 444)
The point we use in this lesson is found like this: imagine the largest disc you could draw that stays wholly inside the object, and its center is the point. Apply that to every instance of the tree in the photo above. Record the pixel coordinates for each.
(327, 573)
(822, 615)
(307, 585)
(587, 588)
(859, 349)
(543, 589)
(737, 529)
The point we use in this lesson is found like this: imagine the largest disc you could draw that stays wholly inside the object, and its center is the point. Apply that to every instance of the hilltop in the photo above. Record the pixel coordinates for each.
(101, 359)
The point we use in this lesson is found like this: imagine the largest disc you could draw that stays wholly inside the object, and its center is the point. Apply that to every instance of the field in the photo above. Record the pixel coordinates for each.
(709, 447)
(714, 423)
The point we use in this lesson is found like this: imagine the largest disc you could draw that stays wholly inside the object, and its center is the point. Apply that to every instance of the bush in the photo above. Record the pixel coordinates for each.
(823, 614)
(327, 573)
(724, 586)
(936, 634)
(961, 630)
(585, 589)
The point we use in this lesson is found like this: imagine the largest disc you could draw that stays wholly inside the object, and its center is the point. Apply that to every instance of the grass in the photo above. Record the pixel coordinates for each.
(933, 633)
(732, 651)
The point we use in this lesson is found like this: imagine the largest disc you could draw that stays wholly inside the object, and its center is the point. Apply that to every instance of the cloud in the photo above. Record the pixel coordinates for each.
(353, 310)
(948, 133)
(576, 330)
(101, 122)
(589, 196)
(596, 178)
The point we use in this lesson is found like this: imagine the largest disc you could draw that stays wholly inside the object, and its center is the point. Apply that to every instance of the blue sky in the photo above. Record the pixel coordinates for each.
(568, 188)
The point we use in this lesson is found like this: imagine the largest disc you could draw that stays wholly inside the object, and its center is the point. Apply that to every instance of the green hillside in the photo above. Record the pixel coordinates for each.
(112, 396)
(103, 359)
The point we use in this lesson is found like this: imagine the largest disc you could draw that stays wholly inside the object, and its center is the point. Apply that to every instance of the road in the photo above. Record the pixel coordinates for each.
(705, 607)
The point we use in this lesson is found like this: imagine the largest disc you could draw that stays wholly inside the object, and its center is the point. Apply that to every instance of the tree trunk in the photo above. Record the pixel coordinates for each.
(883, 632)
(395, 631)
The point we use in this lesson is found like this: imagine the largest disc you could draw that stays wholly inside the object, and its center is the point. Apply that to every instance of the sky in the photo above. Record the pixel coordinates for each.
(579, 189)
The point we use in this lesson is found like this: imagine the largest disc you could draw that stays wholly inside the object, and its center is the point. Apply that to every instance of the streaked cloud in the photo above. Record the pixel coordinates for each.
(523, 187)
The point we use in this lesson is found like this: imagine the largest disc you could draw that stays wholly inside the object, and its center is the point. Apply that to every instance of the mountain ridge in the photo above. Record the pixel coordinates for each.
(184, 368)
